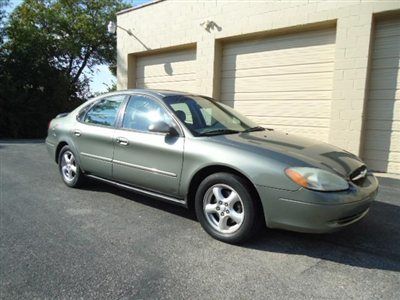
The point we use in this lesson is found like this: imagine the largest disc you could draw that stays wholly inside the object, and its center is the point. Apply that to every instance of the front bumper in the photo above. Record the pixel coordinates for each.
(317, 212)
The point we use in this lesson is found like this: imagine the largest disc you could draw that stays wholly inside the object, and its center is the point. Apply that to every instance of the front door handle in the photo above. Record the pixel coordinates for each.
(122, 141)
(77, 132)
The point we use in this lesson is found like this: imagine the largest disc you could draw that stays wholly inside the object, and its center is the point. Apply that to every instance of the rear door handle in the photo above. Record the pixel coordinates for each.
(77, 132)
(122, 141)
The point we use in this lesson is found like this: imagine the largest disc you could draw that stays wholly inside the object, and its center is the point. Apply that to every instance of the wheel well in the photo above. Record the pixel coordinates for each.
(203, 173)
(59, 147)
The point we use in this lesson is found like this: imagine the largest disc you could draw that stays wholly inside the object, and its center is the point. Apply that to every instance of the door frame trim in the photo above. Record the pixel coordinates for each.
(96, 157)
(122, 163)
(152, 170)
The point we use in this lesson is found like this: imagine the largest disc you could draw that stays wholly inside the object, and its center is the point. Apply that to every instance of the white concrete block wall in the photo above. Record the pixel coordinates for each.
(170, 23)
(349, 86)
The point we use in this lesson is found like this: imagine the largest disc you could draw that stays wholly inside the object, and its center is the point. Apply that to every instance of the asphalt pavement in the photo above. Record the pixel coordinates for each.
(101, 242)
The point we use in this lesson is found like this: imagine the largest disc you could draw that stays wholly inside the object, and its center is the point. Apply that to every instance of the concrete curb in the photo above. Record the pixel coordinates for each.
(389, 180)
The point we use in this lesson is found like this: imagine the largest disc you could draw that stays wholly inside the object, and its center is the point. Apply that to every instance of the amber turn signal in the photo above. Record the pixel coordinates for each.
(297, 177)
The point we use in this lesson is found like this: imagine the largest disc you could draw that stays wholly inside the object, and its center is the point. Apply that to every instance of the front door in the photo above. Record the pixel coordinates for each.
(145, 159)
(93, 135)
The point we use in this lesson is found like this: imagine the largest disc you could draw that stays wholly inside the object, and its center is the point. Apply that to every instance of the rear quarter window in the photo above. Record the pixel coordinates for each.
(83, 112)
(103, 112)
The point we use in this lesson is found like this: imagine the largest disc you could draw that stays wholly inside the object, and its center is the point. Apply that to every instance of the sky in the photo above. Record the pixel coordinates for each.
(102, 77)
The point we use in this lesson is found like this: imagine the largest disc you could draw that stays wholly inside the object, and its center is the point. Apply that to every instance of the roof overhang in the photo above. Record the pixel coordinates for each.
(138, 7)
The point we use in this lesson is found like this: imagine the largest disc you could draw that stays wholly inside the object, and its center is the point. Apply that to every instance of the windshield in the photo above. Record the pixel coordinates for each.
(203, 116)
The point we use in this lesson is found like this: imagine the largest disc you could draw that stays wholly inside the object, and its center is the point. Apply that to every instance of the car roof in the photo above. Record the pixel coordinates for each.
(152, 92)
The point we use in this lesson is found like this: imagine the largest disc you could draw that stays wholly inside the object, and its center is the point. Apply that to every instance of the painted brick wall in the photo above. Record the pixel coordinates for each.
(169, 24)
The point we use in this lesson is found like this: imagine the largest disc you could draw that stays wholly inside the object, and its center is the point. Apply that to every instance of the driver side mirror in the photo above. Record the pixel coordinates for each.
(162, 127)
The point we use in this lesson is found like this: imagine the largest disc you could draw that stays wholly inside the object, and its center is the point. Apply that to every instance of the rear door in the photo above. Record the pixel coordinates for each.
(93, 135)
(145, 159)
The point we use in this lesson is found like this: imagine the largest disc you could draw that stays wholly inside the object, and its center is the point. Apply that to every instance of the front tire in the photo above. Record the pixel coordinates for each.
(226, 209)
(69, 168)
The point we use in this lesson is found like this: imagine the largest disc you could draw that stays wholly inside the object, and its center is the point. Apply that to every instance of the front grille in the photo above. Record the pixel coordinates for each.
(358, 175)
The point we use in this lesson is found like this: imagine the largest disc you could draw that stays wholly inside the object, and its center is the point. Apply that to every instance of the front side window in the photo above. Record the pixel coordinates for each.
(105, 111)
(183, 112)
(142, 111)
(208, 117)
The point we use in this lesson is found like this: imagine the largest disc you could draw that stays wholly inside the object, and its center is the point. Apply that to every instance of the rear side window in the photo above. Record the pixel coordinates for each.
(105, 111)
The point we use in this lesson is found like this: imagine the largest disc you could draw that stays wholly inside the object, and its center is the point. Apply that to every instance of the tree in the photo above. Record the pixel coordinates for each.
(48, 45)
(3, 14)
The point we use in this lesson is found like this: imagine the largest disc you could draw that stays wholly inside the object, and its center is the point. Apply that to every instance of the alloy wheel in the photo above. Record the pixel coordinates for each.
(223, 208)
(68, 166)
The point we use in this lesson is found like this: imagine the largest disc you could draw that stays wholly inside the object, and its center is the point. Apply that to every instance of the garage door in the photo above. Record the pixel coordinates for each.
(171, 71)
(382, 124)
(282, 82)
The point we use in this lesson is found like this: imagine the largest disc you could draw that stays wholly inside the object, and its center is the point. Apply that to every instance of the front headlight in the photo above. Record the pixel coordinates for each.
(317, 179)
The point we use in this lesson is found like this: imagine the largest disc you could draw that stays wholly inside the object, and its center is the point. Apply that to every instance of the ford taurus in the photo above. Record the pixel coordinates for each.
(202, 154)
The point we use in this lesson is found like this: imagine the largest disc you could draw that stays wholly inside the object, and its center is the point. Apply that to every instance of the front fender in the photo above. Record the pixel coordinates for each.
(259, 169)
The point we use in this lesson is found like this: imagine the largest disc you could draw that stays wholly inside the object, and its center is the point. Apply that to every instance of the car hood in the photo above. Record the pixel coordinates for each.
(294, 150)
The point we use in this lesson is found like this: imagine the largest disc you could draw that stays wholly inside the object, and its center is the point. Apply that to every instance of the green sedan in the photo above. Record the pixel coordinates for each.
(201, 154)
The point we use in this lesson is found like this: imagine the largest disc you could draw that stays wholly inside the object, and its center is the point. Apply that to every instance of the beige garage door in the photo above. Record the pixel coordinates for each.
(382, 124)
(283, 82)
(171, 71)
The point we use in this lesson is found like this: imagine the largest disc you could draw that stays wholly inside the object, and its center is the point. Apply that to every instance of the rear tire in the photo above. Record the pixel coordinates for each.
(69, 168)
(226, 208)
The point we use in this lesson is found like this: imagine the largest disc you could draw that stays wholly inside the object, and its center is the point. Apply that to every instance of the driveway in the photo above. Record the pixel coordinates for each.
(101, 242)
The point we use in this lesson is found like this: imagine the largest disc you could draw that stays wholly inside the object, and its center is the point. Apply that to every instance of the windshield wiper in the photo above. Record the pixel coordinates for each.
(219, 131)
(257, 128)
